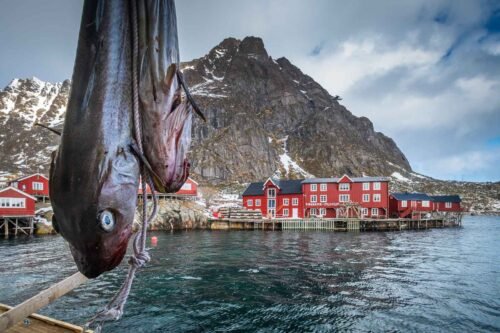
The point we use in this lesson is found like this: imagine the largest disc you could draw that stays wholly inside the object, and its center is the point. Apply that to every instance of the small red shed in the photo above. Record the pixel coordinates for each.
(14, 202)
(36, 185)
(405, 204)
(446, 203)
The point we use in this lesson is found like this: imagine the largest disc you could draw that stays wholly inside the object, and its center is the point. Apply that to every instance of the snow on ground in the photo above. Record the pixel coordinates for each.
(289, 164)
(43, 210)
(400, 177)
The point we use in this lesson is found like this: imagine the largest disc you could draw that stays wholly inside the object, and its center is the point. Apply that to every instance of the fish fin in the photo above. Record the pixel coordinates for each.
(49, 128)
(54, 223)
(189, 97)
(156, 179)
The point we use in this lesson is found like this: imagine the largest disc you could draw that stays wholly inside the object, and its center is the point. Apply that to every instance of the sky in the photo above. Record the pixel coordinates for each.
(427, 73)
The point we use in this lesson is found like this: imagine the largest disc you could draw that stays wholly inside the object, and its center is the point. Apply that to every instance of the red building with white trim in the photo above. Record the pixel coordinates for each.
(16, 203)
(188, 189)
(36, 185)
(446, 203)
(404, 205)
(330, 197)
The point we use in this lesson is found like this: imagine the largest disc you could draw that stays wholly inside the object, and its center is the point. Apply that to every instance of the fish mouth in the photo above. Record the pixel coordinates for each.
(92, 264)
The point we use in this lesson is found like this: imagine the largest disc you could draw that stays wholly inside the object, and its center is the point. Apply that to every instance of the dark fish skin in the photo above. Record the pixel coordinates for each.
(94, 169)
(166, 114)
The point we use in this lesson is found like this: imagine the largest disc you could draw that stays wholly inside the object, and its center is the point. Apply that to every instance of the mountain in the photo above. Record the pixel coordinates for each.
(264, 117)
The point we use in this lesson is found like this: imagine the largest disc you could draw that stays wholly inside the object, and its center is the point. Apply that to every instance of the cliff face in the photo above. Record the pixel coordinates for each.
(264, 116)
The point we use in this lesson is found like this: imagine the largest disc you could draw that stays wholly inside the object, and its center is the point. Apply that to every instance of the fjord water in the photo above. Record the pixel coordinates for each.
(441, 280)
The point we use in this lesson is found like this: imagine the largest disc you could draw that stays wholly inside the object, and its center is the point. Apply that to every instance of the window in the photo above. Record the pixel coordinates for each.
(13, 202)
(186, 187)
(447, 205)
(295, 201)
(271, 193)
(322, 211)
(376, 186)
(377, 198)
(314, 212)
(366, 198)
(271, 203)
(426, 203)
(285, 212)
(322, 187)
(344, 198)
(366, 186)
(404, 203)
(257, 202)
(364, 211)
(314, 198)
(322, 198)
(286, 201)
(344, 187)
(314, 187)
(249, 202)
(37, 186)
(374, 211)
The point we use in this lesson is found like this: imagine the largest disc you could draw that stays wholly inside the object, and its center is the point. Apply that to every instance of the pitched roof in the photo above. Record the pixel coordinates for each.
(28, 176)
(446, 198)
(18, 191)
(354, 180)
(411, 196)
(286, 187)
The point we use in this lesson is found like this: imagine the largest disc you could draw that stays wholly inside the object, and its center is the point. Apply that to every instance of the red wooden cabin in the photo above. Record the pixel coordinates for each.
(16, 203)
(275, 198)
(188, 189)
(36, 185)
(328, 197)
(446, 203)
(403, 205)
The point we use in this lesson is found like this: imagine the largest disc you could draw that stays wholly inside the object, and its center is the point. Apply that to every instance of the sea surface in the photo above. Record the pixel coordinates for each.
(440, 280)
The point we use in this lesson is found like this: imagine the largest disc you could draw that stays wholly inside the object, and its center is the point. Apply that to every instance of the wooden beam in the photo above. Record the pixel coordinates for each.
(32, 305)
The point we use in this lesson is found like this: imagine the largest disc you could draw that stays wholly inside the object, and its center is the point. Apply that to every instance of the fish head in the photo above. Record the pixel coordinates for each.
(99, 223)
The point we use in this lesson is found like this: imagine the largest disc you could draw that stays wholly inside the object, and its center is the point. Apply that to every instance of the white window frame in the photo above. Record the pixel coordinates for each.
(37, 186)
(404, 203)
(377, 197)
(271, 206)
(313, 211)
(448, 205)
(344, 197)
(186, 187)
(257, 202)
(286, 201)
(426, 203)
(286, 212)
(322, 211)
(366, 186)
(295, 201)
(273, 191)
(374, 211)
(364, 211)
(250, 202)
(314, 187)
(12, 203)
(344, 187)
(323, 198)
(366, 198)
(377, 186)
(314, 198)
(323, 187)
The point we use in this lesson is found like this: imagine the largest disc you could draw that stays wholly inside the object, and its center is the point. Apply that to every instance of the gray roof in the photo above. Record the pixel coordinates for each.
(354, 179)
(286, 187)
(446, 198)
(411, 196)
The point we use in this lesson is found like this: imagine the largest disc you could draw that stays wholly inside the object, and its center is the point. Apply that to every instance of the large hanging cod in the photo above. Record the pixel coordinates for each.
(94, 174)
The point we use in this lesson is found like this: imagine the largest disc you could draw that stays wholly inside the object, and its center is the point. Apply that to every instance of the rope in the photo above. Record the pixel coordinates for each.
(114, 309)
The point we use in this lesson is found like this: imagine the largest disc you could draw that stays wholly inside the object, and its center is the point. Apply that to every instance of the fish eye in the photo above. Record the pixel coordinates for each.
(106, 220)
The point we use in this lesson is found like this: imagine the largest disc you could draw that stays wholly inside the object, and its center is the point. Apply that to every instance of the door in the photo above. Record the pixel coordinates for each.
(295, 213)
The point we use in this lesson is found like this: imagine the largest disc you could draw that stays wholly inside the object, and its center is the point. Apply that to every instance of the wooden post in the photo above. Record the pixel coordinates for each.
(26, 308)
(16, 226)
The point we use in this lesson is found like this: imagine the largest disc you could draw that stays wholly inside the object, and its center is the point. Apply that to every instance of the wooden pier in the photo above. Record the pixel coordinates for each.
(16, 225)
(36, 323)
(335, 224)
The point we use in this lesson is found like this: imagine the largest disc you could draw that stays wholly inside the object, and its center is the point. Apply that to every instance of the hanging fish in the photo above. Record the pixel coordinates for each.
(94, 174)
(165, 102)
